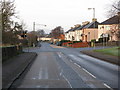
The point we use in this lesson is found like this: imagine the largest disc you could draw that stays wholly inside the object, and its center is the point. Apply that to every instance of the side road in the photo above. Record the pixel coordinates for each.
(14, 67)
(108, 58)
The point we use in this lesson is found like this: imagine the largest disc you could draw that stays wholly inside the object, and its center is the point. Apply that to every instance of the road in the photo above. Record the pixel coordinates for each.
(60, 67)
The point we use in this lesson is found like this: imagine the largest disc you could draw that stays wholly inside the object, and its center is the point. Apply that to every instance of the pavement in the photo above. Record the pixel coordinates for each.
(101, 56)
(14, 67)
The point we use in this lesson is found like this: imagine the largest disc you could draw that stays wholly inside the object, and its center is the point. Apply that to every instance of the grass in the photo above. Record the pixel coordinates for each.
(110, 51)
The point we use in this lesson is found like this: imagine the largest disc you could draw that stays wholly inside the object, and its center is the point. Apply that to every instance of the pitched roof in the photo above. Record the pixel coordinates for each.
(113, 20)
(91, 25)
(81, 27)
(73, 29)
(68, 30)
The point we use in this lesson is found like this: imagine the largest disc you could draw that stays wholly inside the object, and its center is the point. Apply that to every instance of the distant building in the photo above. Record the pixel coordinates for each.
(62, 37)
(79, 31)
(43, 39)
(70, 34)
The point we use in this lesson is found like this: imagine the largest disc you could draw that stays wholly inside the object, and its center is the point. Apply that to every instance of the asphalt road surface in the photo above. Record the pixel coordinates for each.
(60, 67)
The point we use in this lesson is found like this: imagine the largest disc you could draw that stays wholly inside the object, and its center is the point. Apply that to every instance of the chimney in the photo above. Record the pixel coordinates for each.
(77, 25)
(86, 22)
(94, 19)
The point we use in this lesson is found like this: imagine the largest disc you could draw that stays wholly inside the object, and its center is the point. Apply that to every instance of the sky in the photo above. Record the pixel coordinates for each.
(65, 13)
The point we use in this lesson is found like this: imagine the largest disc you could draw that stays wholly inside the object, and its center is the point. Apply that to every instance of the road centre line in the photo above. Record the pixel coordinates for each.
(59, 55)
(88, 72)
(107, 86)
(85, 71)
(77, 64)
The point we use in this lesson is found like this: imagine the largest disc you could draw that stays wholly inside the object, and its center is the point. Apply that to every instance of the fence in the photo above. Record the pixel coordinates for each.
(8, 52)
(113, 43)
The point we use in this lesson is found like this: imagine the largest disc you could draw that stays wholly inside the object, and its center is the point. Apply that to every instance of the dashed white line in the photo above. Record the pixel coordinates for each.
(107, 86)
(59, 55)
(77, 65)
(89, 73)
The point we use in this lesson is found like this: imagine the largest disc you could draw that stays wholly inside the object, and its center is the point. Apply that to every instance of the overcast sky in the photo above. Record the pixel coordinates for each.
(65, 13)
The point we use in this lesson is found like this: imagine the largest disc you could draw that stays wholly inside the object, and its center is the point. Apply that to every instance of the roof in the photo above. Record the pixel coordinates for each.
(91, 25)
(73, 29)
(68, 30)
(81, 27)
(113, 20)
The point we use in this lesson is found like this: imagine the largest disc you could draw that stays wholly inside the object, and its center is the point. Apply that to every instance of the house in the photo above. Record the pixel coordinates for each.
(90, 31)
(110, 27)
(79, 31)
(71, 34)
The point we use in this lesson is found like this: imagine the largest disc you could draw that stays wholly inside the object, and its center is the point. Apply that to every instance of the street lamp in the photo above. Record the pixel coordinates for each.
(94, 22)
(93, 11)
(34, 24)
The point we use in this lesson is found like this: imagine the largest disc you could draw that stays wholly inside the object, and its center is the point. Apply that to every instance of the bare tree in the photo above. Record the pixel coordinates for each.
(40, 33)
(56, 32)
(10, 28)
(114, 9)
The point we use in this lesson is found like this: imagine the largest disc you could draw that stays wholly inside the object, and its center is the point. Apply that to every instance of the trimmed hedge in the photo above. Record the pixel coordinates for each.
(8, 52)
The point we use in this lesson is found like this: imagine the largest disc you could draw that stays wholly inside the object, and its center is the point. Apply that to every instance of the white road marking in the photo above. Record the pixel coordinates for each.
(67, 81)
(107, 86)
(89, 73)
(59, 55)
(70, 60)
(40, 74)
(43, 73)
(77, 65)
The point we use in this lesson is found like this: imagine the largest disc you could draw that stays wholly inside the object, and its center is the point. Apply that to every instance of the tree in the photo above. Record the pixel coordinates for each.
(56, 32)
(114, 11)
(40, 33)
(10, 29)
(114, 8)
(32, 38)
(114, 32)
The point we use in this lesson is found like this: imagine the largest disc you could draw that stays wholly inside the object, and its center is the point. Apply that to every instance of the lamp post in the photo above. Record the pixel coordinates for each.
(34, 26)
(94, 22)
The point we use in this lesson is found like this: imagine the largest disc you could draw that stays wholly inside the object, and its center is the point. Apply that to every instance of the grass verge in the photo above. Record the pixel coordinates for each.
(115, 51)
